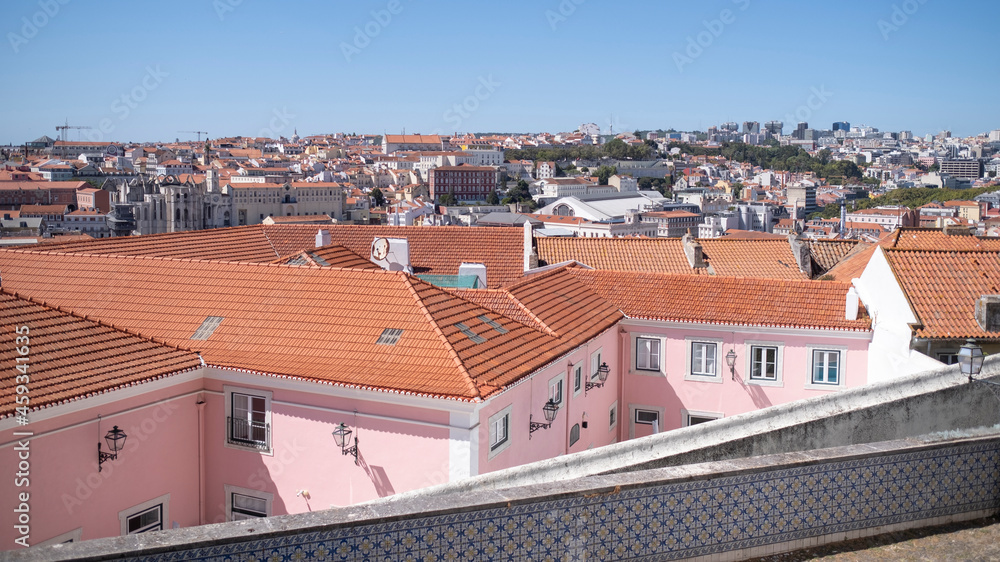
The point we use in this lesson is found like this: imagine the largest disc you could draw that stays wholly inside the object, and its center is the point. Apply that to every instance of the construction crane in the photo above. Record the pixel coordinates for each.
(62, 129)
(198, 132)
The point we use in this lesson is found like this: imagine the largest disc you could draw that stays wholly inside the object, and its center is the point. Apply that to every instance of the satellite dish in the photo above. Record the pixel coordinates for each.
(380, 248)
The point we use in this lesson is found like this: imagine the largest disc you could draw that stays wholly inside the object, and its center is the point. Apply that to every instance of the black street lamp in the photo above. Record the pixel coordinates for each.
(970, 358)
(549, 409)
(602, 377)
(116, 441)
(731, 362)
(342, 436)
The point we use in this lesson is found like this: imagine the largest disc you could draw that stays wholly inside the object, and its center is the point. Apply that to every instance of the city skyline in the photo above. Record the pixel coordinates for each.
(234, 67)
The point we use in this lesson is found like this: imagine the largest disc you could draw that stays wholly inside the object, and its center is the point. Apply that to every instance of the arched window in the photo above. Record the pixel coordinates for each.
(185, 215)
(574, 434)
(177, 215)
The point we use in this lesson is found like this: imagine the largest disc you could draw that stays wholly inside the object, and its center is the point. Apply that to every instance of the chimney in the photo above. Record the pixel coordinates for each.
(851, 306)
(527, 247)
(477, 269)
(957, 230)
(693, 251)
(988, 313)
(801, 252)
(322, 238)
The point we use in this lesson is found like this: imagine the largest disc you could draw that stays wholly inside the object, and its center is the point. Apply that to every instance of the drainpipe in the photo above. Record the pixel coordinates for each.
(623, 369)
(201, 460)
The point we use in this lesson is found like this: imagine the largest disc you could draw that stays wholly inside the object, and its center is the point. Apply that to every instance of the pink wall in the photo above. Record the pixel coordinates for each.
(674, 391)
(68, 492)
(395, 455)
(528, 397)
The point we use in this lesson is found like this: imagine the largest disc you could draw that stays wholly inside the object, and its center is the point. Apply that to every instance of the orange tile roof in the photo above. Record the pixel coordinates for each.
(771, 258)
(72, 357)
(433, 250)
(725, 300)
(853, 264)
(828, 253)
(936, 239)
(943, 286)
(333, 255)
(320, 323)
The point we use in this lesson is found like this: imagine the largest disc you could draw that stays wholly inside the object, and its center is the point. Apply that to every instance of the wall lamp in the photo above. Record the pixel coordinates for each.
(602, 377)
(549, 409)
(116, 440)
(342, 436)
(731, 361)
(970, 359)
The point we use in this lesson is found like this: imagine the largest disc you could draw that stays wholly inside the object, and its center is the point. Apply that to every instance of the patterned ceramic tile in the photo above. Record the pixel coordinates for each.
(667, 521)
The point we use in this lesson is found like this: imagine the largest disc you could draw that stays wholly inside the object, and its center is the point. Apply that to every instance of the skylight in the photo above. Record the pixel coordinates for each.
(207, 328)
(493, 324)
(389, 336)
(476, 338)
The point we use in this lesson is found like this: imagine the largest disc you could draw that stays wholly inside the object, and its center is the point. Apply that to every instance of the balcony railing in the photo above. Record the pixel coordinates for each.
(249, 433)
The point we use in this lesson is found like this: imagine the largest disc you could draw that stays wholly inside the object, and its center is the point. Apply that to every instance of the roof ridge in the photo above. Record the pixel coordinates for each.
(409, 282)
(268, 238)
(544, 327)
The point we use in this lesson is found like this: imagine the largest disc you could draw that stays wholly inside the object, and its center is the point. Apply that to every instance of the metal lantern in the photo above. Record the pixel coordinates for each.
(602, 372)
(115, 439)
(970, 358)
(342, 435)
(550, 409)
(731, 362)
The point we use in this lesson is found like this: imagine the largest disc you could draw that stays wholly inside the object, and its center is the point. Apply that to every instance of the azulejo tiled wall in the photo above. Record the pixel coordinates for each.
(667, 521)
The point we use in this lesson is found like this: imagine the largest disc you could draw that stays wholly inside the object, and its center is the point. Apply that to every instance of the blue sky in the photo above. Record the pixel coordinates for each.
(141, 71)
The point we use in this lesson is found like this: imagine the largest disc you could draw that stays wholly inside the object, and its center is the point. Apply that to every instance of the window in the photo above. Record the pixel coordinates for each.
(577, 379)
(647, 354)
(825, 366)
(764, 362)
(145, 517)
(574, 434)
(646, 417)
(499, 428)
(72, 536)
(556, 390)
(596, 358)
(703, 359)
(243, 503)
(248, 418)
(948, 358)
(691, 417)
(613, 415)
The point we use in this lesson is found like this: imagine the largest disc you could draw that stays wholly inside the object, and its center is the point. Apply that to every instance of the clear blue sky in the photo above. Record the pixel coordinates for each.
(247, 67)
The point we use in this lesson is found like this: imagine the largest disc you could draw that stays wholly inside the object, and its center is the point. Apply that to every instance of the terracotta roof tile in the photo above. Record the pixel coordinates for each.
(71, 357)
(827, 253)
(936, 239)
(771, 258)
(320, 323)
(725, 300)
(433, 250)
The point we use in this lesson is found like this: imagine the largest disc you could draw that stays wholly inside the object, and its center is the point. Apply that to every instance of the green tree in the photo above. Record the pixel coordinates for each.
(493, 198)
(934, 168)
(616, 148)
(605, 172)
(377, 197)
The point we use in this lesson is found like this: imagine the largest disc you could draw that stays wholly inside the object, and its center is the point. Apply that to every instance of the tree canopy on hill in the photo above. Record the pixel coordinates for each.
(906, 197)
(785, 158)
(615, 148)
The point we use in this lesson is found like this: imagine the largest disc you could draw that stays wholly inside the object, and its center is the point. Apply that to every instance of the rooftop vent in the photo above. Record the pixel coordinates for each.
(476, 338)
(390, 336)
(207, 328)
(493, 324)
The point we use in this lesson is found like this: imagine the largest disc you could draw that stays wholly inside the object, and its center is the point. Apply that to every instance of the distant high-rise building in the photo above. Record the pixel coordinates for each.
(905, 135)
(751, 127)
(995, 135)
(841, 126)
(965, 168)
(774, 127)
(800, 130)
(730, 126)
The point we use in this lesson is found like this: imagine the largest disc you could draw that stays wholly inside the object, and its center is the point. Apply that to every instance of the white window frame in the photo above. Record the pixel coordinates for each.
(778, 367)
(686, 416)
(557, 389)
(71, 536)
(162, 501)
(613, 416)
(490, 428)
(228, 392)
(689, 373)
(635, 354)
(577, 373)
(596, 358)
(841, 367)
(230, 490)
(661, 412)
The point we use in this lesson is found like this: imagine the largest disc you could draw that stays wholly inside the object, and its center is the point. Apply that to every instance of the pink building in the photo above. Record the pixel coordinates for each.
(233, 381)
